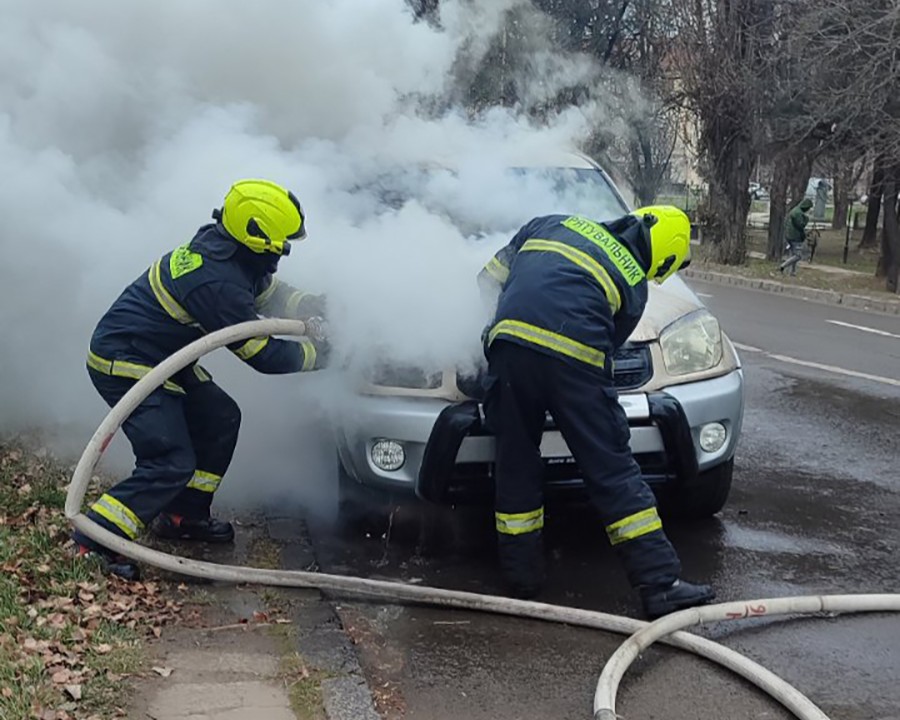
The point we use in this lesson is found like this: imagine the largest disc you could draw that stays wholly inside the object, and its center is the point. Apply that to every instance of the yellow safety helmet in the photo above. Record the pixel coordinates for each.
(263, 216)
(670, 240)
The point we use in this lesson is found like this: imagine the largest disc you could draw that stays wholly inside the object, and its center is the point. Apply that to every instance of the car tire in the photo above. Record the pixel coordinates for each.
(704, 497)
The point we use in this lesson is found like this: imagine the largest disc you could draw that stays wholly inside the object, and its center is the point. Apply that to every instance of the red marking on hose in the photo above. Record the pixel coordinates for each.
(105, 444)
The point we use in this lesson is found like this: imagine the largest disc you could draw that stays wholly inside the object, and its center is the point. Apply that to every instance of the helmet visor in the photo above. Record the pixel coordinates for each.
(300, 233)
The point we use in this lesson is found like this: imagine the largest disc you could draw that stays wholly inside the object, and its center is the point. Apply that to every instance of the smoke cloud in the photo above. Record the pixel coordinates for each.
(122, 125)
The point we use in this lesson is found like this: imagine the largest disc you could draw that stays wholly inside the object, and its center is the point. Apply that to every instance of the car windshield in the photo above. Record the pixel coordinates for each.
(573, 191)
(481, 200)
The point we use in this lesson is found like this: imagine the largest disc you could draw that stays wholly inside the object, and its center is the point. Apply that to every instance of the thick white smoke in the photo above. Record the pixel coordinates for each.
(123, 124)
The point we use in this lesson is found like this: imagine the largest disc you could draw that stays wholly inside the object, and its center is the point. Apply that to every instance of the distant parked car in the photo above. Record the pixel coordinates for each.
(679, 380)
(758, 192)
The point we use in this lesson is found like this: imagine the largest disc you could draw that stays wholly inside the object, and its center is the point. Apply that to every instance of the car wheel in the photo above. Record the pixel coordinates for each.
(704, 497)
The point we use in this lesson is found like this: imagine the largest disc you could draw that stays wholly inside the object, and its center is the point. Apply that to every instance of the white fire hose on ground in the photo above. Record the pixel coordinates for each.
(668, 629)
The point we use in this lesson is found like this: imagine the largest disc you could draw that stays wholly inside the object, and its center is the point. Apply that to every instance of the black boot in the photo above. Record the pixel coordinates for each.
(177, 527)
(111, 563)
(679, 595)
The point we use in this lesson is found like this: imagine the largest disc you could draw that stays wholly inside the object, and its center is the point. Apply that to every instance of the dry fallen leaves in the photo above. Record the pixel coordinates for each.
(60, 621)
(162, 671)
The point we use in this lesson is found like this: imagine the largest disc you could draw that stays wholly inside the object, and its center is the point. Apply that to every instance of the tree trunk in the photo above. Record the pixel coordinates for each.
(777, 207)
(842, 180)
(789, 180)
(873, 205)
(889, 264)
(799, 172)
(729, 203)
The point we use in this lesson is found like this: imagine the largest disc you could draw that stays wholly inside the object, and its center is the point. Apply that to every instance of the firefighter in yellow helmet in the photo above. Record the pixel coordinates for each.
(183, 435)
(571, 291)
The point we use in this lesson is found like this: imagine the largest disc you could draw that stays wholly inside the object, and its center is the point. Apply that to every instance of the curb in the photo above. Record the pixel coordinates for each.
(828, 297)
(322, 638)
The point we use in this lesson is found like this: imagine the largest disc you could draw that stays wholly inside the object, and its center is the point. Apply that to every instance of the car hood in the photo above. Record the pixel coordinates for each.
(666, 304)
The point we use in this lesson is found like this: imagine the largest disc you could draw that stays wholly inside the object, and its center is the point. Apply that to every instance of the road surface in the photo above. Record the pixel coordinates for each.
(814, 510)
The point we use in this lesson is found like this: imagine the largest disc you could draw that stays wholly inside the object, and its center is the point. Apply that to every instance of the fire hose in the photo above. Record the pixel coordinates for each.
(669, 629)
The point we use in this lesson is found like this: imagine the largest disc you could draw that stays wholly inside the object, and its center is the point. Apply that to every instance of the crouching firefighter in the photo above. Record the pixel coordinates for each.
(184, 434)
(571, 291)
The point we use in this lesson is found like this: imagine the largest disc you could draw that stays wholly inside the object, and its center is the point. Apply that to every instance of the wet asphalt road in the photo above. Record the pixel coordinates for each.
(814, 510)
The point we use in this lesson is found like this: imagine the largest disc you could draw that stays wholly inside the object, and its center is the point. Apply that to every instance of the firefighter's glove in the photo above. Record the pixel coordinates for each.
(316, 329)
(323, 353)
(312, 306)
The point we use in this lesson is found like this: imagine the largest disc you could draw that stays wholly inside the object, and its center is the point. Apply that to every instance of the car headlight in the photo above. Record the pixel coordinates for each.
(692, 344)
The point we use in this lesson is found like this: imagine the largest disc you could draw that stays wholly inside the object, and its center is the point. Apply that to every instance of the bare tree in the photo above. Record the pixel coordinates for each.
(724, 58)
(889, 264)
(846, 167)
(873, 204)
(856, 43)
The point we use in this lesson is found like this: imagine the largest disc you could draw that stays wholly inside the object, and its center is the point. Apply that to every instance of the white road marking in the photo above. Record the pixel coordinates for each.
(885, 333)
(819, 366)
(699, 294)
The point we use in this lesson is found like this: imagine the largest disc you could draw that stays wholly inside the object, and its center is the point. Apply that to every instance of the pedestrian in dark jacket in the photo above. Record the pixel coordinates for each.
(572, 291)
(795, 234)
(184, 434)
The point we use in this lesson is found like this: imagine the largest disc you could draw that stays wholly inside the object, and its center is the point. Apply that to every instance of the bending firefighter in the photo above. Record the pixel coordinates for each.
(184, 434)
(571, 292)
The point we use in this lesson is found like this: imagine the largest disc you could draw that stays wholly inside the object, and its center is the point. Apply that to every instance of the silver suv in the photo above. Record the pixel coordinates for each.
(679, 380)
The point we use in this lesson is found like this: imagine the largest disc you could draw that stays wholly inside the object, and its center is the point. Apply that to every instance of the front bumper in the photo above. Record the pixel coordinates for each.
(665, 429)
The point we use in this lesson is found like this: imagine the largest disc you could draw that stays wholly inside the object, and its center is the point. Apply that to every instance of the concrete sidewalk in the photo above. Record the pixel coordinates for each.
(258, 653)
(211, 683)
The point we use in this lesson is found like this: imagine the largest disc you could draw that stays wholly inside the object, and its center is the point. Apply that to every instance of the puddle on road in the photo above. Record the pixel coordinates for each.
(769, 541)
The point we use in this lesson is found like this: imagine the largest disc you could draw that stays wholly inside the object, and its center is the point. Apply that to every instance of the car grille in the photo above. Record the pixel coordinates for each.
(632, 368)
(404, 376)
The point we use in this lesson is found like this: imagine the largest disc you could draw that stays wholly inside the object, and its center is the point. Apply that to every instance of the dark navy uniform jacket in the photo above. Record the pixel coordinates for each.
(571, 287)
(204, 285)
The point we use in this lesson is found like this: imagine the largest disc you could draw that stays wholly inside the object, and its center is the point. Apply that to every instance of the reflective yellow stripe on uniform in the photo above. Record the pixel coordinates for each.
(634, 526)
(621, 257)
(169, 304)
(205, 481)
(520, 523)
(119, 515)
(123, 369)
(548, 339)
(309, 354)
(497, 270)
(266, 294)
(250, 348)
(582, 260)
(293, 302)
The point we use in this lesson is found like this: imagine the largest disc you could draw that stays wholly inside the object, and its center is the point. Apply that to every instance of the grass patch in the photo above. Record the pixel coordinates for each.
(69, 637)
(304, 686)
(302, 680)
(264, 553)
(829, 249)
(866, 285)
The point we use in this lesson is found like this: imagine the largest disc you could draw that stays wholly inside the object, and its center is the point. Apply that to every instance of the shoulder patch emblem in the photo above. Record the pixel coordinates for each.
(183, 261)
